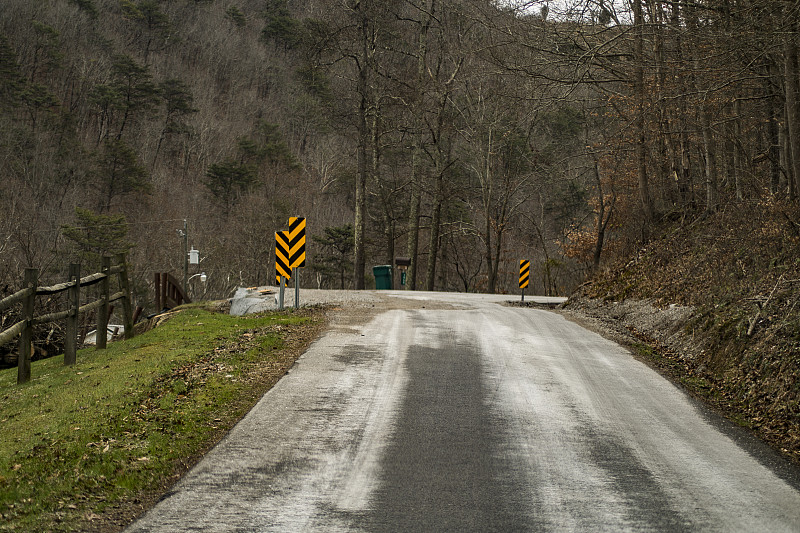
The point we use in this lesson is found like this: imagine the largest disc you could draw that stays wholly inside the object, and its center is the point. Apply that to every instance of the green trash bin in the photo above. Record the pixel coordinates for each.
(383, 277)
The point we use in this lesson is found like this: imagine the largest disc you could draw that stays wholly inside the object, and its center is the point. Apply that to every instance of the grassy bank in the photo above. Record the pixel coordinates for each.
(87, 447)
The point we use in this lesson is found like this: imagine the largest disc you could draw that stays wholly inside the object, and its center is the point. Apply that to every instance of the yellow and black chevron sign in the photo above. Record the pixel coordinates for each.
(524, 273)
(297, 242)
(282, 265)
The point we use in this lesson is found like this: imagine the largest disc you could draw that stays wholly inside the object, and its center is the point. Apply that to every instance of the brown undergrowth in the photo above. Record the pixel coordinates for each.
(739, 273)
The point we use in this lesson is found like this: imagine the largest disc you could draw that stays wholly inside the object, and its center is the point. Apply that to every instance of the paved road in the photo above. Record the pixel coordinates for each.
(464, 415)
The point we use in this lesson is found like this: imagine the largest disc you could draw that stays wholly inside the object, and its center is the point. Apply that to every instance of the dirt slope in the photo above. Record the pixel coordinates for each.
(714, 303)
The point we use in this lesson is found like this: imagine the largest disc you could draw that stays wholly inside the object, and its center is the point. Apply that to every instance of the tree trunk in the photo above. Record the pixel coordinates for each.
(363, 148)
(388, 233)
(710, 152)
(498, 250)
(413, 224)
(498, 237)
(602, 219)
(388, 219)
(443, 270)
(487, 211)
(681, 162)
(773, 131)
(786, 154)
(792, 112)
(416, 178)
(657, 15)
(436, 221)
(545, 270)
(641, 134)
(737, 156)
(490, 284)
(361, 204)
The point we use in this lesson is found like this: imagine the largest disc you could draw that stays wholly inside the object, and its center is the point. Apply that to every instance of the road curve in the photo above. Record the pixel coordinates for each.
(454, 413)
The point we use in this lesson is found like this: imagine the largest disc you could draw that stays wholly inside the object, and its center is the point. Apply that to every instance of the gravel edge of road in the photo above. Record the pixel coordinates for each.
(637, 323)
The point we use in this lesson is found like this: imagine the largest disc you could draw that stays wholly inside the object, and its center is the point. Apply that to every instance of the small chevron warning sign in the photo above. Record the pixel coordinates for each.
(524, 273)
(297, 242)
(282, 265)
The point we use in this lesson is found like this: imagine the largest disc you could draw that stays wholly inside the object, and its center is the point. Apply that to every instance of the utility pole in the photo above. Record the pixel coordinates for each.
(185, 235)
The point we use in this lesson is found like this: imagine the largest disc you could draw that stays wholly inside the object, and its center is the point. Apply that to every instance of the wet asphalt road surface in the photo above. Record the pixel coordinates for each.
(470, 416)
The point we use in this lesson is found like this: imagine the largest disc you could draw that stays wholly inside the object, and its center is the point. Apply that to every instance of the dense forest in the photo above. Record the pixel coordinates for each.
(464, 134)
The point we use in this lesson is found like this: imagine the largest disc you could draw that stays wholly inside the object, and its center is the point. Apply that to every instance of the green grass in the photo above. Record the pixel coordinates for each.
(126, 420)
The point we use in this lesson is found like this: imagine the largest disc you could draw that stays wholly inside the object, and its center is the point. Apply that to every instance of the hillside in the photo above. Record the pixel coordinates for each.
(714, 302)
(463, 134)
(123, 122)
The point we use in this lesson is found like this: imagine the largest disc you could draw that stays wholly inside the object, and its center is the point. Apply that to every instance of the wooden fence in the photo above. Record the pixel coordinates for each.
(27, 296)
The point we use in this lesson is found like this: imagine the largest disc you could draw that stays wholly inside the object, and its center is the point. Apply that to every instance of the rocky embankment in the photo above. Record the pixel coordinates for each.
(632, 322)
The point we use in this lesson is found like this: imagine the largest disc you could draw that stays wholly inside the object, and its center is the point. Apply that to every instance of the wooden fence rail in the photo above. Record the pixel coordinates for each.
(27, 296)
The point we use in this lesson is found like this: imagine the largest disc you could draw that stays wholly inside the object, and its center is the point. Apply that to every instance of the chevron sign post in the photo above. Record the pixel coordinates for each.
(297, 252)
(290, 254)
(283, 267)
(283, 270)
(297, 242)
(524, 275)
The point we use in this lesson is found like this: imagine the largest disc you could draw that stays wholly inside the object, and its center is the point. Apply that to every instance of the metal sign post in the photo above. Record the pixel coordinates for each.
(296, 274)
(282, 269)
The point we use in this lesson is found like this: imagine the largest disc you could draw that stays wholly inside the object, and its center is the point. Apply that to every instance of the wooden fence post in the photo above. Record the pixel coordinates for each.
(26, 338)
(73, 304)
(101, 337)
(127, 311)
